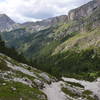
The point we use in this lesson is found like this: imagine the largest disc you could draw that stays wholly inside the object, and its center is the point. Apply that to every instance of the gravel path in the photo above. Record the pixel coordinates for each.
(54, 92)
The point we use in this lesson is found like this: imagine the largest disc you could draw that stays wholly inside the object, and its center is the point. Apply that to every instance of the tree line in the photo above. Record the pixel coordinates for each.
(11, 52)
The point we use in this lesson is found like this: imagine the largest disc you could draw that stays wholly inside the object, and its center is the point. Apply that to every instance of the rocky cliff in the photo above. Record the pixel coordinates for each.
(84, 11)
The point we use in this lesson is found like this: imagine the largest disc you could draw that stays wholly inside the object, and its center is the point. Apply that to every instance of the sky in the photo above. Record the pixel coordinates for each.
(34, 10)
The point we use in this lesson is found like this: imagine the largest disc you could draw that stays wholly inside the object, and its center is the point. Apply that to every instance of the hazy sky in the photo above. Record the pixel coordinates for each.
(33, 10)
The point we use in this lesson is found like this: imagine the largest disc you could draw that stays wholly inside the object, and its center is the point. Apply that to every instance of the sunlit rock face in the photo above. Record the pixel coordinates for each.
(84, 11)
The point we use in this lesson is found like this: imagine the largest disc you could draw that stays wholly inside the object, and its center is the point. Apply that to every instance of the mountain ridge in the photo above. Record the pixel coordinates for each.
(8, 24)
(75, 14)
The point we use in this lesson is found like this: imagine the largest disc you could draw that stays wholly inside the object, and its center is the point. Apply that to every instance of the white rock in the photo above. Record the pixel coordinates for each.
(4, 84)
(45, 76)
(21, 69)
(14, 89)
(92, 86)
(21, 99)
(22, 80)
(39, 83)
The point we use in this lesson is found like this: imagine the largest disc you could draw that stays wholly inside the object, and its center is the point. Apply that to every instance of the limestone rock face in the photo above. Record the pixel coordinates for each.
(84, 11)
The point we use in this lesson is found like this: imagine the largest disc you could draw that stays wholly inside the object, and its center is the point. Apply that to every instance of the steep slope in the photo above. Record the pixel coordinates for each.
(76, 48)
(81, 52)
(22, 82)
(81, 41)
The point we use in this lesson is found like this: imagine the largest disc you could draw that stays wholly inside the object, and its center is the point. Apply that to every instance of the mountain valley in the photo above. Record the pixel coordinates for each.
(53, 59)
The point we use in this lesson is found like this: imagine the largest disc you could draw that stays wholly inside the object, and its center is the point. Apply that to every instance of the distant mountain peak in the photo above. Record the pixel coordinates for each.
(2, 15)
(6, 18)
(6, 23)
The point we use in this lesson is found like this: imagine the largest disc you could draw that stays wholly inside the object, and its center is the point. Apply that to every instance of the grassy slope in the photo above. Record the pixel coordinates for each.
(81, 41)
(23, 91)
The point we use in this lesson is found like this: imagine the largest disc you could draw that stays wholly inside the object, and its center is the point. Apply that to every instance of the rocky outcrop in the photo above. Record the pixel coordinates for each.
(84, 11)
(91, 86)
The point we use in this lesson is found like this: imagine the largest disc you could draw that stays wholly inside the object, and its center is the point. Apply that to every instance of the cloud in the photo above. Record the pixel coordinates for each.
(33, 10)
